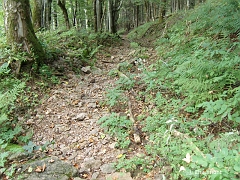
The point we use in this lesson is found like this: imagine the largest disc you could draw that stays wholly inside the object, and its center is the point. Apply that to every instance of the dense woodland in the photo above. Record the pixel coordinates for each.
(189, 95)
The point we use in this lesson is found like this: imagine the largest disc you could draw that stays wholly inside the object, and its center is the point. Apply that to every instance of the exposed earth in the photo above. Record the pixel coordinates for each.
(68, 117)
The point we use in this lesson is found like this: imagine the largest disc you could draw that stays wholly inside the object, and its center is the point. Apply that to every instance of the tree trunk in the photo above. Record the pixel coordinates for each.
(55, 16)
(37, 14)
(46, 20)
(110, 16)
(163, 10)
(19, 30)
(62, 5)
(95, 15)
(99, 14)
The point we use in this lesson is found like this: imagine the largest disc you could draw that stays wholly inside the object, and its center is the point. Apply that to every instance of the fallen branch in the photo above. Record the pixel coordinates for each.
(136, 134)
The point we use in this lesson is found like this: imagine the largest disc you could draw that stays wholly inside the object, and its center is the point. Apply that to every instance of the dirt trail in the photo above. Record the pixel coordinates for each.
(70, 113)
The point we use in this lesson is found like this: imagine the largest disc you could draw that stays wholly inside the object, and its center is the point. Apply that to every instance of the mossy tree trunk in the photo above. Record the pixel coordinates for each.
(37, 14)
(62, 5)
(163, 10)
(19, 31)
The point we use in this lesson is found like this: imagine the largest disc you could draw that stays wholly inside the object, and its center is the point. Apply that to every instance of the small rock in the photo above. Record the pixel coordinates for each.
(81, 116)
(91, 163)
(92, 81)
(86, 69)
(54, 171)
(107, 168)
(97, 71)
(94, 132)
(160, 177)
(112, 146)
(95, 175)
(104, 142)
(119, 176)
(92, 105)
(77, 178)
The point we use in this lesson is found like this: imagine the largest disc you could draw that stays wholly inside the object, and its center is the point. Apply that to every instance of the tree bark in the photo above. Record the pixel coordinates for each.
(46, 13)
(99, 13)
(19, 30)
(62, 5)
(37, 14)
(163, 9)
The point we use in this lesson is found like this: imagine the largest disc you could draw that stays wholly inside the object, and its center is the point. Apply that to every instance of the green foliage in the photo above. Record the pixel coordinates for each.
(114, 97)
(140, 162)
(141, 31)
(192, 94)
(10, 89)
(117, 126)
(210, 65)
(221, 162)
(200, 65)
(80, 46)
(47, 73)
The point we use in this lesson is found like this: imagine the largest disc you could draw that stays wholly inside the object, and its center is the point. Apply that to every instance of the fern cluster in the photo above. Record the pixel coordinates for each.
(195, 93)
(10, 88)
(203, 62)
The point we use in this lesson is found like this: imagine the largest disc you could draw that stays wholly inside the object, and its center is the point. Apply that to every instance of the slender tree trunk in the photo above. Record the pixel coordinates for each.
(62, 5)
(110, 16)
(46, 16)
(99, 14)
(95, 15)
(163, 10)
(37, 14)
(19, 30)
(55, 20)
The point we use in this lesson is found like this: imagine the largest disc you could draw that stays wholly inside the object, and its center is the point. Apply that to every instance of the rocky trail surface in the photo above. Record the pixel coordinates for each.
(68, 117)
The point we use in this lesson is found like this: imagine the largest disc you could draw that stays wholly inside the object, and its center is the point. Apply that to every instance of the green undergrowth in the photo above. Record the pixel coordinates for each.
(20, 93)
(78, 47)
(10, 89)
(191, 95)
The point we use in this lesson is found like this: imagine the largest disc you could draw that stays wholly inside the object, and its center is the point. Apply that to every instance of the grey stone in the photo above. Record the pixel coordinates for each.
(119, 176)
(92, 105)
(77, 178)
(55, 169)
(107, 168)
(91, 163)
(86, 69)
(81, 116)
(94, 176)
(112, 145)
(160, 177)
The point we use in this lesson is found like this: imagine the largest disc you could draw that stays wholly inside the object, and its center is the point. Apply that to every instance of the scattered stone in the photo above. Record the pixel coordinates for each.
(107, 168)
(81, 116)
(91, 163)
(97, 71)
(92, 81)
(60, 128)
(112, 145)
(86, 69)
(77, 178)
(55, 169)
(119, 176)
(92, 105)
(95, 175)
(104, 141)
(94, 132)
(160, 177)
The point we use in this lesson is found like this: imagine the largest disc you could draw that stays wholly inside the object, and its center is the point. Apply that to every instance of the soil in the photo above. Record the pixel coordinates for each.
(68, 116)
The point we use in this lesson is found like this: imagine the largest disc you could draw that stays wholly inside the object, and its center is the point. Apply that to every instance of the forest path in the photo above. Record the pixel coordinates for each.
(70, 113)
